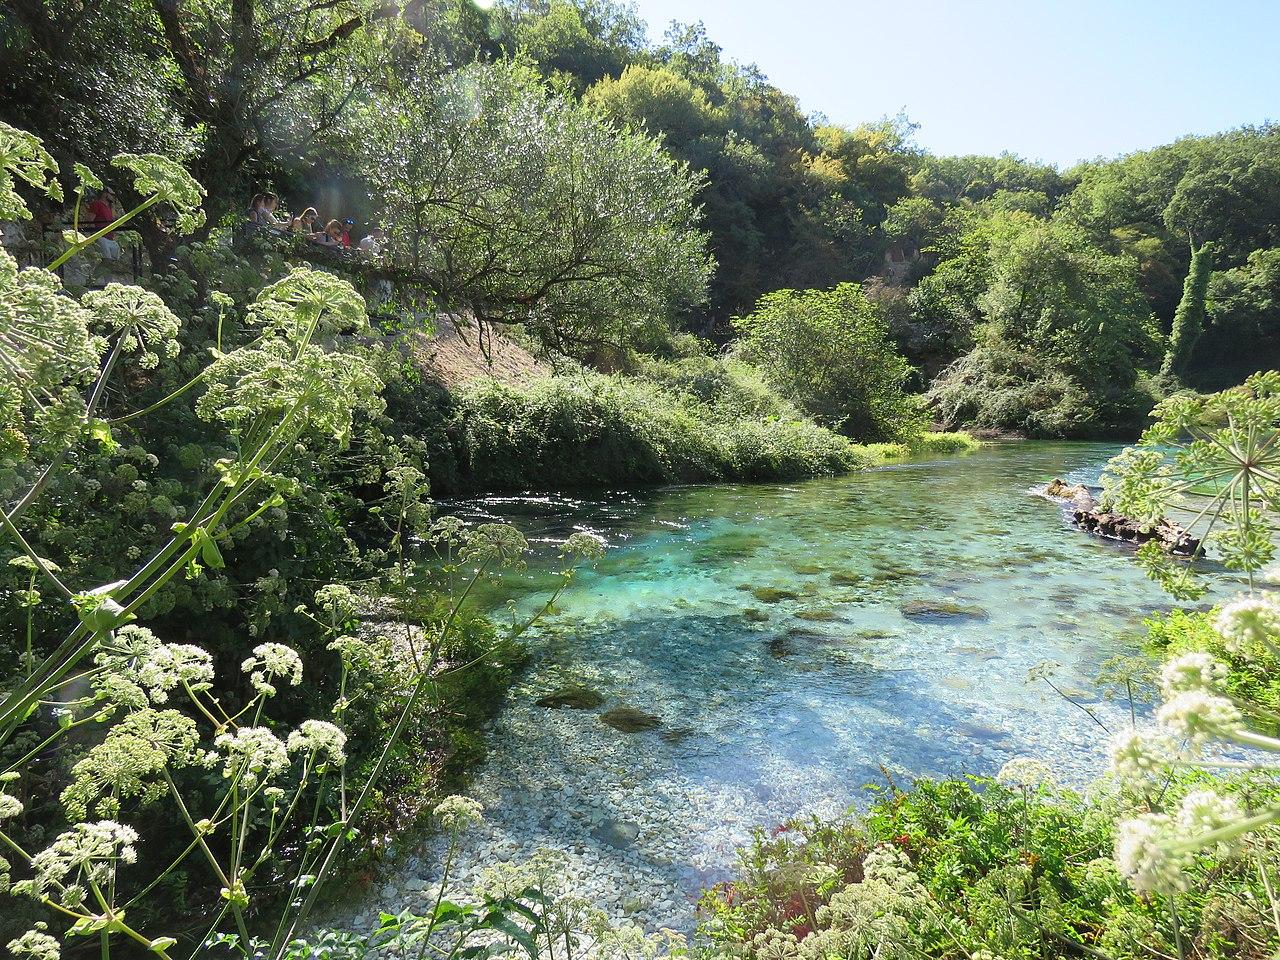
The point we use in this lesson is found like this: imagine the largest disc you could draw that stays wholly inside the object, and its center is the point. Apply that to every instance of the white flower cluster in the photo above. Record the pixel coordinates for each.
(269, 662)
(136, 668)
(253, 753)
(1135, 755)
(10, 806)
(1025, 772)
(1191, 672)
(1248, 623)
(458, 813)
(319, 736)
(1154, 850)
(87, 851)
(172, 664)
(35, 945)
(1199, 716)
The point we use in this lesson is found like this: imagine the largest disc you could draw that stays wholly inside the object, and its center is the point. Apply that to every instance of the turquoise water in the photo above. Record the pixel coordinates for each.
(774, 705)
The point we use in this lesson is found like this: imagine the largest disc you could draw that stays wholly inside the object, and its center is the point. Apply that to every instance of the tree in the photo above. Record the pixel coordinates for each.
(516, 204)
(1188, 321)
(829, 351)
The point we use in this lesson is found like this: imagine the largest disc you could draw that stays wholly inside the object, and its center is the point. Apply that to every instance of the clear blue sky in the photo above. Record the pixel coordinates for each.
(1054, 80)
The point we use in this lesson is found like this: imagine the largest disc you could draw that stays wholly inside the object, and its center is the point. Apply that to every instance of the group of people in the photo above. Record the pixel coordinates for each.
(335, 233)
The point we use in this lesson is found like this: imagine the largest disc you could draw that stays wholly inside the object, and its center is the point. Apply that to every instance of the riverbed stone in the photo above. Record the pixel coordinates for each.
(941, 611)
(755, 615)
(630, 720)
(571, 698)
(617, 833)
(773, 594)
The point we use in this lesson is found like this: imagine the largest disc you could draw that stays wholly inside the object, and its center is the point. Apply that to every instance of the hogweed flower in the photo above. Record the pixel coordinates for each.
(158, 176)
(1198, 716)
(319, 736)
(1025, 772)
(35, 945)
(89, 850)
(175, 664)
(1191, 672)
(1135, 755)
(1204, 811)
(1247, 624)
(139, 318)
(23, 157)
(457, 812)
(269, 661)
(1145, 854)
(10, 806)
(254, 753)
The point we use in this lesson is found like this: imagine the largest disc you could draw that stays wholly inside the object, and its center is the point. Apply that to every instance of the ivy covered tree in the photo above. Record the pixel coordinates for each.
(1188, 321)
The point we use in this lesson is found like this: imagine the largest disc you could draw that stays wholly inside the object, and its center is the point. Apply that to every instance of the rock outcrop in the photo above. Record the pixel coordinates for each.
(1170, 536)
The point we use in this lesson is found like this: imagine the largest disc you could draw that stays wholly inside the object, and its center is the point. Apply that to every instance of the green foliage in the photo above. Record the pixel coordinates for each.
(829, 352)
(1188, 321)
(981, 869)
(516, 203)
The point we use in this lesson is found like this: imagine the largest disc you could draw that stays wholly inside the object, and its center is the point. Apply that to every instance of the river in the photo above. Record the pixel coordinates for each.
(795, 643)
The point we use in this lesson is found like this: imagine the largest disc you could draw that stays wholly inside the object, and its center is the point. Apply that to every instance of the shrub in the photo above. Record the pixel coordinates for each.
(830, 352)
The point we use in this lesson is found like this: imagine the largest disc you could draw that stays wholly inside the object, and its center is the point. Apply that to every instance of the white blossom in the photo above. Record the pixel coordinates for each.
(1135, 755)
(1024, 772)
(172, 664)
(35, 945)
(319, 736)
(457, 813)
(253, 752)
(1247, 623)
(1204, 811)
(1143, 854)
(87, 848)
(1190, 672)
(10, 806)
(1199, 716)
(271, 661)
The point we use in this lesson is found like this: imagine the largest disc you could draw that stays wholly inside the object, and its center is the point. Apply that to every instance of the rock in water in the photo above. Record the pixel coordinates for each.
(572, 698)
(630, 720)
(617, 833)
(1077, 493)
(1171, 537)
(927, 611)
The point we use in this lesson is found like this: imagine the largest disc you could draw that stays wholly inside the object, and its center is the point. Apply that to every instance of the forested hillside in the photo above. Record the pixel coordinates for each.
(1027, 298)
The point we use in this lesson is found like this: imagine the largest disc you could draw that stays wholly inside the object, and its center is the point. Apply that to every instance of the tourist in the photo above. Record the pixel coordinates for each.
(101, 213)
(374, 242)
(264, 212)
(330, 236)
(304, 222)
(346, 232)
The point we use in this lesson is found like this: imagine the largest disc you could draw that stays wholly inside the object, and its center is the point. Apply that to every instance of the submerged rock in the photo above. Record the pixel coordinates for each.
(572, 698)
(773, 594)
(630, 720)
(755, 615)
(940, 611)
(1171, 537)
(617, 833)
(818, 615)
(847, 578)
(1077, 493)
(809, 569)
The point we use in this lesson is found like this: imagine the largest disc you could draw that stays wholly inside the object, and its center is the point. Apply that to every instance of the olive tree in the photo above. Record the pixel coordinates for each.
(513, 203)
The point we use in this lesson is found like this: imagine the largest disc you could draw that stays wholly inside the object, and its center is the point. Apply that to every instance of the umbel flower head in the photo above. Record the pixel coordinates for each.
(138, 317)
(1204, 811)
(1247, 624)
(86, 851)
(457, 812)
(35, 945)
(45, 341)
(1025, 772)
(309, 303)
(1199, 716)
(1135, 755)
(1191, 672)
(269, 662)
(22, 157)
(319, 737)
(156, 175)
(253, 753)
(316, 391)
(1145, 854)
(130, 761)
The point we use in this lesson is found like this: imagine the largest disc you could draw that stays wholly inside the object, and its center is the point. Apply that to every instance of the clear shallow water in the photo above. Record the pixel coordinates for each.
(797, 705)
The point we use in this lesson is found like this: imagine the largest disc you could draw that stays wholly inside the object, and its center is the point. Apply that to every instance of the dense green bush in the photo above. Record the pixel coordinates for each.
(829, 351)
(974, 867)
(594, 429)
